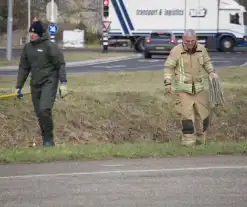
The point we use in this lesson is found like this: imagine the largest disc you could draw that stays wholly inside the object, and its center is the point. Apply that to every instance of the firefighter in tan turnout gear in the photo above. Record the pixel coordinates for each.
(187, 61)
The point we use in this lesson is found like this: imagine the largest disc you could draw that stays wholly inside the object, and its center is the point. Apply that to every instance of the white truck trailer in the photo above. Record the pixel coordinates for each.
(220, 24)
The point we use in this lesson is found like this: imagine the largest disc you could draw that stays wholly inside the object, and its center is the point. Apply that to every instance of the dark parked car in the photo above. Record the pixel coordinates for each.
(159, 43)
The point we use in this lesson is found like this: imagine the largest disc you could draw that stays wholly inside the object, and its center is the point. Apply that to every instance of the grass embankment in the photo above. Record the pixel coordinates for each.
(119, 114)
(71, 56)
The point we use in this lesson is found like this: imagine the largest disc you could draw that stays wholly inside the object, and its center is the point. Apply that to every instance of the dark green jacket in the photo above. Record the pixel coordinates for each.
(44, 60)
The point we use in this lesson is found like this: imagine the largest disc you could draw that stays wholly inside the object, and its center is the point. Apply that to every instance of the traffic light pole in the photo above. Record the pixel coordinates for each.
(52, 37)
(105, 42)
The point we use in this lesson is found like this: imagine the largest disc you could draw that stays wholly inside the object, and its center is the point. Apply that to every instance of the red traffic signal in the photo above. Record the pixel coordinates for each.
(106, 8)
(106, 2)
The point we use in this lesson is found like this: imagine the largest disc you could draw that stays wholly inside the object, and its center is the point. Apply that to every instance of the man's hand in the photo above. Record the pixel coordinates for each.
(168, 88)
(19, 93)
(213, 75)
(63, 90)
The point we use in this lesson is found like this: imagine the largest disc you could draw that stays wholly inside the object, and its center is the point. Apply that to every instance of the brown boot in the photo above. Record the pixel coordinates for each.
(201, 138)
(188, 140)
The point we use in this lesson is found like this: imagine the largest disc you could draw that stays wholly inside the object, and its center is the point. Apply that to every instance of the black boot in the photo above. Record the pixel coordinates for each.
(41, 127)
(47, 123)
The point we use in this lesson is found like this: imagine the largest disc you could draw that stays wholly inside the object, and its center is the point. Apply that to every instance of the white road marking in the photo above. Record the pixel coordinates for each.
(116, 66)
(221, 61)
(112, 165)
(99, 66)
(228, 58)
(110, 66)
(151, 61)
(243, 64)
(126, 171)
(101, 61)
(113, 70)
(148, 66)
(218, 58)
(131, 68)
(231, 66)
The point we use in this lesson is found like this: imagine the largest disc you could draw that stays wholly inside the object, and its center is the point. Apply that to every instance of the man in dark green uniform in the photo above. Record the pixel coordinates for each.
(45, 61)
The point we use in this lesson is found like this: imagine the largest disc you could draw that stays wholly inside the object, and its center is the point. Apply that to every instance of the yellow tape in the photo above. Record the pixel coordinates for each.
(12, 95)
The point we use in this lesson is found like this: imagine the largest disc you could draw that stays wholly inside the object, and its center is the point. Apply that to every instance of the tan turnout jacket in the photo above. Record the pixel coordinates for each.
(188, 68)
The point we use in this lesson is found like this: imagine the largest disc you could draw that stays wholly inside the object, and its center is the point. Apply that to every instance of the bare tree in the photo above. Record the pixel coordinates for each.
(75, 11)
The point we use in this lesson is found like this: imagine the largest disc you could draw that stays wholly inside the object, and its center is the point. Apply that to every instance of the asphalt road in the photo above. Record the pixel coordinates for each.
(16, 52)
(182, 182)
(139, 63)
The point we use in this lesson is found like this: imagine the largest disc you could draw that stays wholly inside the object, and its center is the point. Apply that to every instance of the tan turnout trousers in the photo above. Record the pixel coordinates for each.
(194, 111)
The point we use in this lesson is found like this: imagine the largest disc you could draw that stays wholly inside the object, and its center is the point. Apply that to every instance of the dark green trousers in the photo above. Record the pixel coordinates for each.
(43, 98)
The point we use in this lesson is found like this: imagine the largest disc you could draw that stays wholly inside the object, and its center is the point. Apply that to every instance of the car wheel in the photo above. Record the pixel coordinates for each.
(140, 44)
(227, 44)
(147, 55)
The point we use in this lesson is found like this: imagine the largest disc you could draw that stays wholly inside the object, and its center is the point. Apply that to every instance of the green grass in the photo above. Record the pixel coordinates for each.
(127, 150)
(123, 114)
(71, 57)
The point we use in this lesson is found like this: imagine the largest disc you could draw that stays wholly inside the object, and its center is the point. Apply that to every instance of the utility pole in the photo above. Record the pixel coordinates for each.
(52, 19)
(29, 19)
(10, 29)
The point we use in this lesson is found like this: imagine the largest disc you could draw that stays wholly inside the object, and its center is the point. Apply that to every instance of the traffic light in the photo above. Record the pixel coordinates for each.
(106, 8)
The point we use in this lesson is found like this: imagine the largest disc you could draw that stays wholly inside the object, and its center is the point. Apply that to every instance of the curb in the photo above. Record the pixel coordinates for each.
(102, 60)
(83, 63)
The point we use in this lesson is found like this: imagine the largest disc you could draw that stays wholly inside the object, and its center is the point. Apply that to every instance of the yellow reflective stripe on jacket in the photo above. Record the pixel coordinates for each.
(207, 58)
(186, 87)
(170, 63)
(181, 70)
(208, 66)
(169, 67)
(167, 76)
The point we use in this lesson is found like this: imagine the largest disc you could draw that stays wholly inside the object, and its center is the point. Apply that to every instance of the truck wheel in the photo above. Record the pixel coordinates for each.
(140, 45)
(147, 55)
(227, 44)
